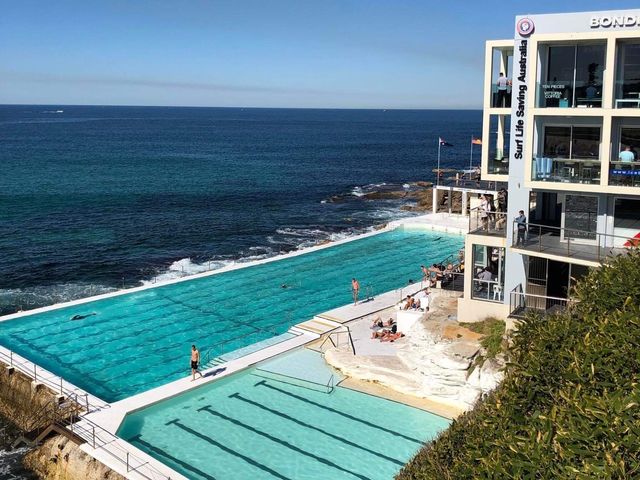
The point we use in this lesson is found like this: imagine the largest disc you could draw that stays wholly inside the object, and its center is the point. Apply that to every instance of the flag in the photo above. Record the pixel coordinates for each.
(444, 143)
(476, 141)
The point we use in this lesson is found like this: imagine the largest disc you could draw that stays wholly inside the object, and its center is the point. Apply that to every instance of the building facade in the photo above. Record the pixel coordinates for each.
(561, 125)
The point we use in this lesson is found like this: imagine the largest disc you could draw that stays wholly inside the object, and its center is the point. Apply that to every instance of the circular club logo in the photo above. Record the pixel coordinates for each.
(525, 27)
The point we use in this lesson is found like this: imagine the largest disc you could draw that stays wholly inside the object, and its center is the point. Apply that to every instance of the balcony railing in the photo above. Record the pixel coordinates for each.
(487, 223)
(566, 170)
(568, 242)
(488, 290)
(624, 174)
(500, 100)
(521, 303)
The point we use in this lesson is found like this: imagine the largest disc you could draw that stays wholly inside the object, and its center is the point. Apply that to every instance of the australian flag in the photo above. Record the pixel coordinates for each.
(444, 143)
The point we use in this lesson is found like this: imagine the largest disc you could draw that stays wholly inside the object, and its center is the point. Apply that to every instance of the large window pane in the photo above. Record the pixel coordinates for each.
(586, 143)
(573, 76)
(570, 154)
(589, 70)
(558, 89)
(628, 76)
(557, 141)
(625, 164)
(488, 273)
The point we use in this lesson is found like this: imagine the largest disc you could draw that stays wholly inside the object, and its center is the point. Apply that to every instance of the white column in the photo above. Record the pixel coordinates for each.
(464, 203)
(434, 205)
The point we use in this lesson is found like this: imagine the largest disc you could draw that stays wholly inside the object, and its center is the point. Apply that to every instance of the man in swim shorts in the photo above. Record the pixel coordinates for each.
(355, 289)
(195, 360)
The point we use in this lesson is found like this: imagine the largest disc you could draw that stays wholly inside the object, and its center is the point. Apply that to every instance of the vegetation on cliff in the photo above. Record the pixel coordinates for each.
(569, 404)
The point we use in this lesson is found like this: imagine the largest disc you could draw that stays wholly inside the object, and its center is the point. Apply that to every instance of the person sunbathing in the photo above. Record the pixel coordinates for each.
(385, 331)
(377, 323)
(391, 337)
(409, 303)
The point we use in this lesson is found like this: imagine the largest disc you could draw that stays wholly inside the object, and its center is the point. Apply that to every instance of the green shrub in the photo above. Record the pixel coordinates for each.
(493, 330)
(568, 407)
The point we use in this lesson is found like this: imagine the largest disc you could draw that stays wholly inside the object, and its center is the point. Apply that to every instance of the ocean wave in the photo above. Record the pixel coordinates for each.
(19, 299)
(11, 465)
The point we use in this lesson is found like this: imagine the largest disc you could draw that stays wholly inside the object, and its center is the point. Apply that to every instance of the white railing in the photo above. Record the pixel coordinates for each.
(520, 303)
(38, 374)
(89, 431)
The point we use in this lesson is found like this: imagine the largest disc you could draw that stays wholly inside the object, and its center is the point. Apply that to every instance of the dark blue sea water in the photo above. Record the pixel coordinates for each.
(94, 198)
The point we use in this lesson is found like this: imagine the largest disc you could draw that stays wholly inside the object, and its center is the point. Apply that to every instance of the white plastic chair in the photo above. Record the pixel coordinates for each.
(497, 292)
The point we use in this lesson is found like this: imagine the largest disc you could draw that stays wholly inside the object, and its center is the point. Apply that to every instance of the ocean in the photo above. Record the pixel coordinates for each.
(94, 198)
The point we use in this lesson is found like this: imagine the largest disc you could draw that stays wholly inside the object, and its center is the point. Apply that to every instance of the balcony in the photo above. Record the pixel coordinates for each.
(569, 243)
(566, 170)
(521, 303)
(493, 224)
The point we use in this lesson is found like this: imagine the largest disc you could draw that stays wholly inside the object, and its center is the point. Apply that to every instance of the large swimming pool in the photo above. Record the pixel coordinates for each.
(249, 426)
(141, 340)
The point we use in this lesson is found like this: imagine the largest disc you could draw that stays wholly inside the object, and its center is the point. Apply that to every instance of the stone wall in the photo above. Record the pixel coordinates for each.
(57, 458)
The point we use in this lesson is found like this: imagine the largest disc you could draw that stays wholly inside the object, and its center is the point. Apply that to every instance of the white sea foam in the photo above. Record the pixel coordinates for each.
(13, 299)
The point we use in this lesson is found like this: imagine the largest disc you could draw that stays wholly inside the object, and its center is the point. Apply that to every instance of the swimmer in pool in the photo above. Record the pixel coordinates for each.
(80, 317)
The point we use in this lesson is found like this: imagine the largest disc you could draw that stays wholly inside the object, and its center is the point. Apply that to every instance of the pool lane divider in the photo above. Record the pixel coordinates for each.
(280, 441)
(297, 421)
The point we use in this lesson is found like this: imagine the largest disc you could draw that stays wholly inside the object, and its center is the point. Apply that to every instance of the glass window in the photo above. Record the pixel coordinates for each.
(627, 214)
(488, 273)
(557, 141)
(628, 76)
(573, 76)
(569, 154)
(585, 143)
(625, 167)
(589, 70)
(499, 128)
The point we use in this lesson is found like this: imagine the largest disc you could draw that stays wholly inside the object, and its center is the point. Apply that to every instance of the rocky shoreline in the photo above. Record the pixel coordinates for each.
(417, 196)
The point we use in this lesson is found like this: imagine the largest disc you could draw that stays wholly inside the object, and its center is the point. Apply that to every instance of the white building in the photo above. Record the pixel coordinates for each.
(556, 134)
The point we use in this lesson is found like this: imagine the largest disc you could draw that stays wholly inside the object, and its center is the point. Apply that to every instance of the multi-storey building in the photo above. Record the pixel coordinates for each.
(562, 127)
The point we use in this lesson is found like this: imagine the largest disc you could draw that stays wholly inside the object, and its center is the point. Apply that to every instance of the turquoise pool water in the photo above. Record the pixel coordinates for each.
(250, 427)
(141, 340)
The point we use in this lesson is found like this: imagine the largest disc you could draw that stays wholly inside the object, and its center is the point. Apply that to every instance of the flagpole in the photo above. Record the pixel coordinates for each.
(471, 155)
(438, 171)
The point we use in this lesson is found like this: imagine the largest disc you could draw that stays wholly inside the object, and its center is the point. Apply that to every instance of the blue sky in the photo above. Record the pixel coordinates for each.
(261, 53)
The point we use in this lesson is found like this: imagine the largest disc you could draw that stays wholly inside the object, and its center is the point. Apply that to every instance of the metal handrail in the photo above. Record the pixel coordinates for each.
(271, 329)
(131, 461)
(81, 400)
(335, 332)
(597, 248)
(519, 300)
(30, 369)
(496, 222)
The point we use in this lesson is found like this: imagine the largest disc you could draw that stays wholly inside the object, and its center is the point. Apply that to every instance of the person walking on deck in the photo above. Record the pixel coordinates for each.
(195, 361)
(355, 290)
(521, 225)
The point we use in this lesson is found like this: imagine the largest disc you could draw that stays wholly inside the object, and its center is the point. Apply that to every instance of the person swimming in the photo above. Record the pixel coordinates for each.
(80, 317)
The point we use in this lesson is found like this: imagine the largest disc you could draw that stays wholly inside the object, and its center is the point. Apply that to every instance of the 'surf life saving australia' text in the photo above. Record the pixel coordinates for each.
(521, 99)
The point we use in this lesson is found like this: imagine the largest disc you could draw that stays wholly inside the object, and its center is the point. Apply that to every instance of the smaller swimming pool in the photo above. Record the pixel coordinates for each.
(281, 426)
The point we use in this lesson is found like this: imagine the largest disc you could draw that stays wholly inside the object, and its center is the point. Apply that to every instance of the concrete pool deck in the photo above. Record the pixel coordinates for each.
(119, 455)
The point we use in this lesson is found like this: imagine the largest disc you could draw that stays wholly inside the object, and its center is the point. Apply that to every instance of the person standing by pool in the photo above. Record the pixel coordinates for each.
(355, 289)
(195, 361)
(425, 273)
